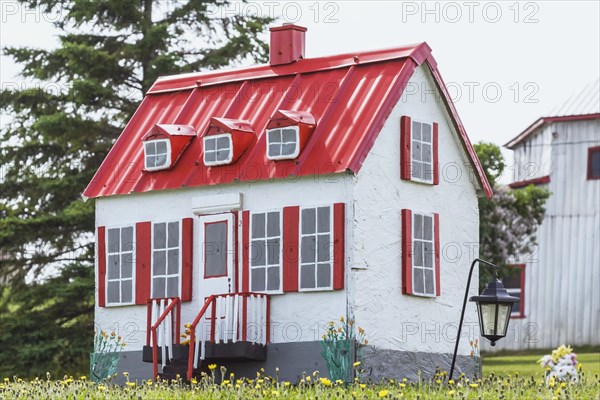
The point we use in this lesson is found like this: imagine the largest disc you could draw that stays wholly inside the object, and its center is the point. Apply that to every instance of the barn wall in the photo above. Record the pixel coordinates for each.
(295, 317)
(562, 277)
(392, 320)
(532, 159)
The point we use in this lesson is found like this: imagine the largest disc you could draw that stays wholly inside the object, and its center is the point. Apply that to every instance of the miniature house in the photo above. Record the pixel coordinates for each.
(257, 204)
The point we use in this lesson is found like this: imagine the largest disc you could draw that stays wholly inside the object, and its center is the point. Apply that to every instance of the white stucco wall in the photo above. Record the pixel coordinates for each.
(393, 320)
(294, 316)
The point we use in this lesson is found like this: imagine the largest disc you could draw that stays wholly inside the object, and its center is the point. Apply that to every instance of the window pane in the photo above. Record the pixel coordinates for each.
(258, 252)
(222, 155)
(222, 143)
(273, 251)
(426, 132)
(173, 262)
(274, 150)
(288, 149)
(418, 253)
(127, 239)
(113, 267)
(216, 249)
(275, 136)
(416, 130)
(158, 287)
(273, 224)
(160, 235)
(161, 160)
(127, 259)
(426, 153)
(415, 152)
(428, 281)
(418, 284)
(595, 161)
(428, 227)
(418, 226)
(112, 292)
(210, 156)
(323, 219)
(323, 248)
(172, 287)
(150, 148)
(258, 279)
(417, 170)
(113, 240)
(289, 135)
(210, 144)
(323, 275)
(307, 249)
(308, 220)
(258, 226)
(126, 266)
(150, 162)
(159, 262)
(273, 278)
(161, 147)
(126, 291)
(428, 254)
(307, 276)
(173, 234)
(512, 281)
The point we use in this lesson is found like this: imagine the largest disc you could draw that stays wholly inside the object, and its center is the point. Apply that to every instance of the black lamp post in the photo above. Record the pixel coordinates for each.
(493, 306)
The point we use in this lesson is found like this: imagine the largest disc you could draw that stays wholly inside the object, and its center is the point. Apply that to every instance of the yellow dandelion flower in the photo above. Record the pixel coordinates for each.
(356, 364)
(325, 381)
(451, 382)
(362, 386)
(308, 379)
(275, 393)
(403, 385)
(451, 392)
(286, 384)
(212, 367)
(473, 385)
(383, 393)
(130, 384)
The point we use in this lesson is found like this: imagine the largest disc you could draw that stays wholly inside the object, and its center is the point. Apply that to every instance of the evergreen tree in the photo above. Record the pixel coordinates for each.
(508, 222)
(110, 53)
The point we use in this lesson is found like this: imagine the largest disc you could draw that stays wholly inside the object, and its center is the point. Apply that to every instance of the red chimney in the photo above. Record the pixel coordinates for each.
(287, 44)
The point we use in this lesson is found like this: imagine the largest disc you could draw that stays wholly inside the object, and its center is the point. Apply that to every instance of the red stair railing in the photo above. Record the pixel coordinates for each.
(170, 330)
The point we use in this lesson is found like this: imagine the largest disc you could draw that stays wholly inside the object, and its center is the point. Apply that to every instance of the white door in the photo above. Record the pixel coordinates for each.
(217, 254)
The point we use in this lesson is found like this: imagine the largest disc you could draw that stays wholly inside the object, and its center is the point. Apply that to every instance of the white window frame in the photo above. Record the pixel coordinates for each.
(296, 128)
(133, 267)
(166, 250)
(412, 155)
(423, 268)
(331, 249)
(168, 161)
(217, 162)
(266, 238)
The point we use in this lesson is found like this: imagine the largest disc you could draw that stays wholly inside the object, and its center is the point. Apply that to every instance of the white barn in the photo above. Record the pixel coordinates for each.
(264, 202)
(558, 283)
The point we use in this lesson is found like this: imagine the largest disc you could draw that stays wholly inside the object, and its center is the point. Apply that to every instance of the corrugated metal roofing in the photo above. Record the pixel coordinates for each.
(350, 97)
(585, 104)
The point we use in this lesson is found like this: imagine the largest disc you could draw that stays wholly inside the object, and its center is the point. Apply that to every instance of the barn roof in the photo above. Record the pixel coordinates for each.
(585, 104)
(349, 95)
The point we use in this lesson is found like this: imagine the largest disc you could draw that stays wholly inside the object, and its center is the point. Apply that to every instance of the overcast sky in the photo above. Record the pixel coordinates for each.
(506, 63)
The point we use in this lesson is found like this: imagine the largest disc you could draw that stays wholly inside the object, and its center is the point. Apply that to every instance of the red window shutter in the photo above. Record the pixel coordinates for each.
(101, 257)
(246, 251)
(339, 254)
(436, 166)
(143, 262)
(405, 158)
(291, 244)
(187, 258)
(407, 287)
(436, 238)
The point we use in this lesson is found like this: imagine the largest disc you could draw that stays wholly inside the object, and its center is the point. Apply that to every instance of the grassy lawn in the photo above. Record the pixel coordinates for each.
(527, 366)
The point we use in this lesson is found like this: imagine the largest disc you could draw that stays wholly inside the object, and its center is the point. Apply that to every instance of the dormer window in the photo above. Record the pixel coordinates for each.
(218, 149)
(157, 155)
(283, 143)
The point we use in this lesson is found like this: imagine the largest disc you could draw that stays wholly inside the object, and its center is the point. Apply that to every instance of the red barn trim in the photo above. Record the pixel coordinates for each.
(143, 262)
(537, 181)
(339, 253)
(405, 156)
(245, 251)
(101, 257)
(437, 249)
(436, 156)
(187, 258)
(407, 287)
(291, 219)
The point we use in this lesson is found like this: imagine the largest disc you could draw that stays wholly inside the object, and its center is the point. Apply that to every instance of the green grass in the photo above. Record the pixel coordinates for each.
(527, 366)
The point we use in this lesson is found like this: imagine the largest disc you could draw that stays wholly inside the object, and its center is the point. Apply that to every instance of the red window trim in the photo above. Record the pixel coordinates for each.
(407, 252)
(405, 151)
(522, 284)
(589, 163)
(536, 181)
(143, 262)
(187, 258)
(291, 254)
(101, 248)
(246, 251)
(226, 247)
(339, 254)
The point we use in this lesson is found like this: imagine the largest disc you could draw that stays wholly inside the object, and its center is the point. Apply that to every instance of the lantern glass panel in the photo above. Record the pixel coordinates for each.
(487, 318)
(503, 318)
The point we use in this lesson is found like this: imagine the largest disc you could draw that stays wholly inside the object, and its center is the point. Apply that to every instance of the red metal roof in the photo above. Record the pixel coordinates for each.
(349, 95)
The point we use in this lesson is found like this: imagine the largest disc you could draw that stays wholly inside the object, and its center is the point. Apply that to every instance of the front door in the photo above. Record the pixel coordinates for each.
(217, 254)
